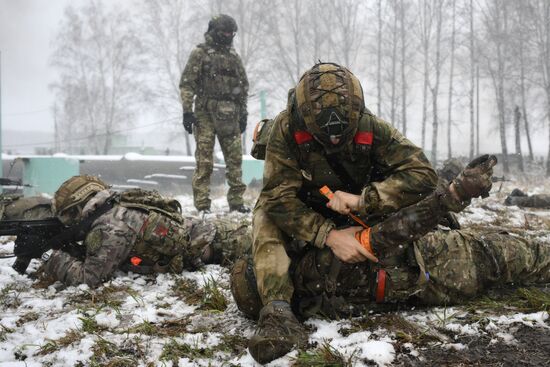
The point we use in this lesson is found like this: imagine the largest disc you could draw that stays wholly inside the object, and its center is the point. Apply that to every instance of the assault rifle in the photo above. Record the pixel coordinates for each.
(36, 236)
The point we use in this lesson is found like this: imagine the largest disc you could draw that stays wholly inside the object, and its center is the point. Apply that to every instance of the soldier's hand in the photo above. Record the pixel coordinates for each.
(343, 202)
(243, 121)
(346, 247)
(475, 179)
(189, 120)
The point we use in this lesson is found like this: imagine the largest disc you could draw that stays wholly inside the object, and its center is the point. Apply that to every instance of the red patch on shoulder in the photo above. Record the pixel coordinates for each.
(363, 137)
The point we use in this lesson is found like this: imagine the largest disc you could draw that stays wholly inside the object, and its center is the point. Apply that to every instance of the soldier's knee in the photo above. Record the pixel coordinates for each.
(244, 289)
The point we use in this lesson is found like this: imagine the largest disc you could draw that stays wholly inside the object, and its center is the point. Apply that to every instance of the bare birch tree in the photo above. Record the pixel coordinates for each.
(97, 55)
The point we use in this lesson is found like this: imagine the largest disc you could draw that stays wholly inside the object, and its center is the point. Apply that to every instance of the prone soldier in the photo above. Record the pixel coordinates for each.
(521, 199)
(135, 230)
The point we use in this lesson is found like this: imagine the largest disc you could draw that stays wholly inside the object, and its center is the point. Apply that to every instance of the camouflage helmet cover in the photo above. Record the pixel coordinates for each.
(76, 190)
(222, 22)
(329, 99)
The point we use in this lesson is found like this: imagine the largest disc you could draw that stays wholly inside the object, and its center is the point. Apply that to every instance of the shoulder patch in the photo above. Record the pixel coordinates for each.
(93, 241)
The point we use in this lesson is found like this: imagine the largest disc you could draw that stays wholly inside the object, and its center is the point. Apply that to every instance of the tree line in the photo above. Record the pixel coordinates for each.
(427, 66)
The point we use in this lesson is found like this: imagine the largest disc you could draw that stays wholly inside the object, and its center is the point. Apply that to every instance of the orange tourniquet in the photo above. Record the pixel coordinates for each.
(363, 237)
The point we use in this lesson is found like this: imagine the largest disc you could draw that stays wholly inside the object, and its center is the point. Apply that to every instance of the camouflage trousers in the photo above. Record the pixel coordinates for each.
(442, 268)
(271, 261)
(211, 124)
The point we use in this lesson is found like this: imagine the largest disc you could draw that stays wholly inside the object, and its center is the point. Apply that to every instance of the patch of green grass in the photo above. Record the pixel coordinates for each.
(166, 328)
(90, 325)
(522, 299)
(107, 296)
(213, 297)
(323, 356)
(108, 354)
(173, 351)
(54, 345)
(210, 297)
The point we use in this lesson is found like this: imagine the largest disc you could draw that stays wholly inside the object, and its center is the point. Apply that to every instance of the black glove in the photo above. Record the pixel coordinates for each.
(189, 120)
(475, 179)
(242, 122)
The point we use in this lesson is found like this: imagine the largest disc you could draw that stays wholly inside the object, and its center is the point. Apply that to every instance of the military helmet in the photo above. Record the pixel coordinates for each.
(222, 28)
(76, 190)
(329, 99)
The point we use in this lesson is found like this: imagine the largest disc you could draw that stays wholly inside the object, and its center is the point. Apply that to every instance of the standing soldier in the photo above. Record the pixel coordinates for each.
(215, 75)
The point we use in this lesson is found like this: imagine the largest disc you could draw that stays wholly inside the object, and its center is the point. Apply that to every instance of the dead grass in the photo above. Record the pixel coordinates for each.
(54, 345)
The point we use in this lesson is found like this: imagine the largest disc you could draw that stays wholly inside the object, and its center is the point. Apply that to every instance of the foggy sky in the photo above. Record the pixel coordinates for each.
(27, 28)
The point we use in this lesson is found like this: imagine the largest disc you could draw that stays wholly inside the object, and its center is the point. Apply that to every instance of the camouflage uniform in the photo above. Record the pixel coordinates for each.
(394, 174)
(441, 267)
(215, 77)
(164, 241)
(519, 198)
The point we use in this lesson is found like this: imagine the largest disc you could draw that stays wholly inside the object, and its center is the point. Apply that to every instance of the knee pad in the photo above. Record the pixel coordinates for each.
(244, 289)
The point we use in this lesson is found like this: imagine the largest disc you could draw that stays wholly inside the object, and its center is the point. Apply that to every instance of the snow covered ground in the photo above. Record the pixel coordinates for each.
(191, 320)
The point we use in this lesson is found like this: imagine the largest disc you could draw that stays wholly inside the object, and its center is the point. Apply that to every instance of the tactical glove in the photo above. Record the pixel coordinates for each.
(189, 120)
(242, 122)
(475, 179)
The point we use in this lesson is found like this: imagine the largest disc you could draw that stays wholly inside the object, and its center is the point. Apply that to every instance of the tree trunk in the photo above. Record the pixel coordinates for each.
(517, 120)
(522, 86)
(477, 110)
(393, 102)
(435, 89)
(403, 75)
(472, 81)
(451, 71)
(379, 59)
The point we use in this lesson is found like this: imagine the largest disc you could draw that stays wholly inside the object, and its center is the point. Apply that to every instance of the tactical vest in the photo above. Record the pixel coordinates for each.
(220, 77)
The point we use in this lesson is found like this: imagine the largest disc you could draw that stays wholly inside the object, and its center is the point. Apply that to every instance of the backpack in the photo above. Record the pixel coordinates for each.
(151, 200)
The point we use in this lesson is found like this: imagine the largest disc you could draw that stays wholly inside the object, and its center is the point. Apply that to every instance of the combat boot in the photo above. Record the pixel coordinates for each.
(277, 333)
(239, 208)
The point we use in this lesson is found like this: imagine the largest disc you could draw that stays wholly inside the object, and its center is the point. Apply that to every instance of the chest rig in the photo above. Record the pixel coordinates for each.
(220, 76)
(358, 152)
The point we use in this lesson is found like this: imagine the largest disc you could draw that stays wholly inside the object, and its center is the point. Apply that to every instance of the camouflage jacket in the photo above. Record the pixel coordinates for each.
(393, 174)
(213, 72)
(162, 243)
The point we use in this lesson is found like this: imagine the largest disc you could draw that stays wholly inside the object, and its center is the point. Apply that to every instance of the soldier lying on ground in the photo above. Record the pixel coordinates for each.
(415, 264)
(519, 198)
(137, 231)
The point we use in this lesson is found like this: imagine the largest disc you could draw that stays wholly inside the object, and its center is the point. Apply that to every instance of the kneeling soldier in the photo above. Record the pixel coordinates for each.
(414, 264)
